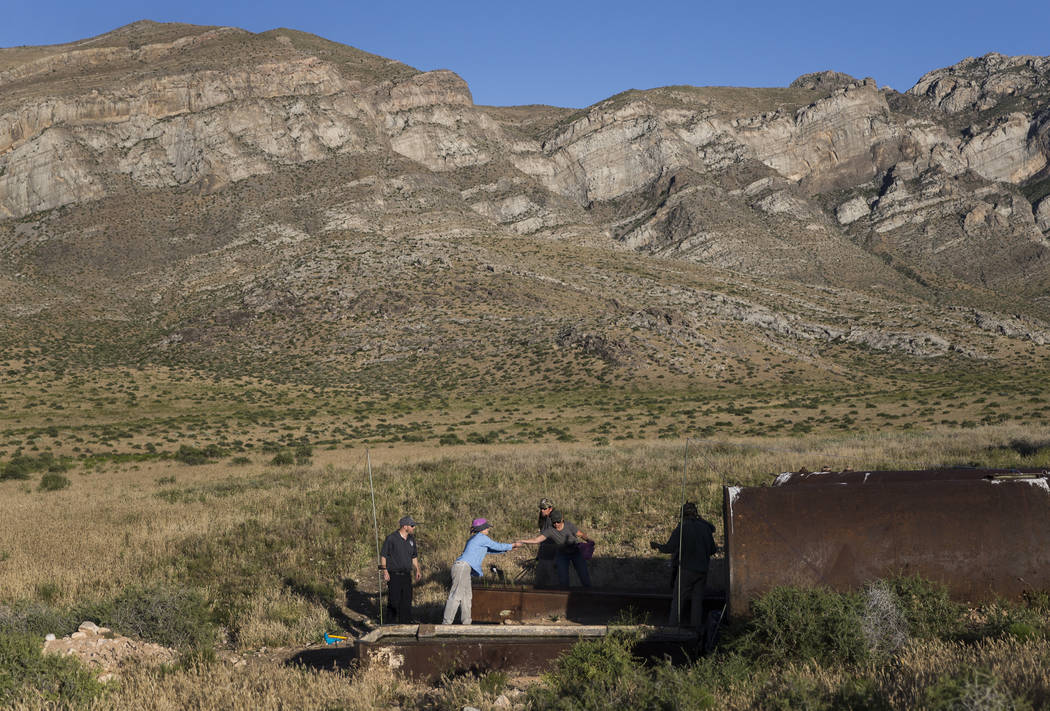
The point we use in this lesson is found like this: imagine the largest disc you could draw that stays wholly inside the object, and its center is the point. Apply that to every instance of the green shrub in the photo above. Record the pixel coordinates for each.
(1004, 619)
(21, 466)
(26, 673)
(283, 459)
(927, 608)
(594, 675)
(53, 481)
(195, 455)
(174, 617)
(793, 624)
(603, 674)
(38, 619)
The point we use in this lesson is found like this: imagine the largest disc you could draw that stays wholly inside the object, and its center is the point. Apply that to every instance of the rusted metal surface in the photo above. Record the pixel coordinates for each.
(526, 604)
(428, 652)
(871, 478)
(982, 533)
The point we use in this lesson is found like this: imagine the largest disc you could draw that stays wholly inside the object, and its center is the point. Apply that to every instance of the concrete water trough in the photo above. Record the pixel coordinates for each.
(428, 652)
(980, 532)
(503, 603)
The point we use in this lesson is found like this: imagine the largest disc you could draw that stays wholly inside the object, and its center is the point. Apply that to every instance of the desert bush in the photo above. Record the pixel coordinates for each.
(168, 615)
(37, 619)
(1006, 619)
(22, 466)
(592, 675)
(29, 675)
(793, 624)
(604, 673)
(885, 628)
(53, 481)
(199, 455)
(283, 459)
(928, 610)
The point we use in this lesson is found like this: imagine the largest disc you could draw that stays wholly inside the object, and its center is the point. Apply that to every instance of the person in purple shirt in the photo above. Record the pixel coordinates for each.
(469, 565)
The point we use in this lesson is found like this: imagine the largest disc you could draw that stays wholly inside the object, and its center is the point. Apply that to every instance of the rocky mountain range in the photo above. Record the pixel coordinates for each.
(206, 195)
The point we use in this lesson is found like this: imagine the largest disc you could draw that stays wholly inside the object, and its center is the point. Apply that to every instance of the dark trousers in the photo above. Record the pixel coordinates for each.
(562, 560)
(399, 593)
(690, 591)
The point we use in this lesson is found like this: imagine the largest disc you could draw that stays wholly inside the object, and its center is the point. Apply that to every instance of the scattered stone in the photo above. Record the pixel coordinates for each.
(100, 649)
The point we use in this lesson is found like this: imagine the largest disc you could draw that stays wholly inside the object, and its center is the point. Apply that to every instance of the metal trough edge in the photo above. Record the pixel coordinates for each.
(648, 632)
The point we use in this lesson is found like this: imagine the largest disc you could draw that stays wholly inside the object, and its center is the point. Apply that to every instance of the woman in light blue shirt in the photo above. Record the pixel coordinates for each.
(469, 565)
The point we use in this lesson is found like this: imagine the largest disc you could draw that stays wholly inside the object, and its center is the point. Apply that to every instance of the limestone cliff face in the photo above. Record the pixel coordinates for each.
(831, 181)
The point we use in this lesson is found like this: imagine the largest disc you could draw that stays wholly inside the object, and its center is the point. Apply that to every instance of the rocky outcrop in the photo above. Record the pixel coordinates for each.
(823, 81)
(981, 83)
(1006, 151)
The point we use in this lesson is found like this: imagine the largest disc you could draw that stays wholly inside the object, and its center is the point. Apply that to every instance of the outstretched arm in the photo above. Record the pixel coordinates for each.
(538, 539)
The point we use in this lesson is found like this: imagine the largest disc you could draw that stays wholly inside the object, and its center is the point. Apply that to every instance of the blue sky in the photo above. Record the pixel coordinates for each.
(577, 53)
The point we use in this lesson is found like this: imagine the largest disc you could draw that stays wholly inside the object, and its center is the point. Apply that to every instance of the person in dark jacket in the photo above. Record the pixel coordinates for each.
(691, 546)
(398, 560)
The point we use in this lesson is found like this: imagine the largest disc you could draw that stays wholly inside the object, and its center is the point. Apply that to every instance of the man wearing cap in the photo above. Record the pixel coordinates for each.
(397, 560)
(545, 575)
(565, 538)
(469, 565)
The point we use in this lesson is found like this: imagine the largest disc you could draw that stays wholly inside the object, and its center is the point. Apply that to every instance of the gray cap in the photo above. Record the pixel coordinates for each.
(407, 521)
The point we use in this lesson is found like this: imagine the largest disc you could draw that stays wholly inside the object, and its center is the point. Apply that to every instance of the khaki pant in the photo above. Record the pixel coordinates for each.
(460, 596)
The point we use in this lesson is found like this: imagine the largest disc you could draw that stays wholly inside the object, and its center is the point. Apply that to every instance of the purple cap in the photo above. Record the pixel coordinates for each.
(479, 524)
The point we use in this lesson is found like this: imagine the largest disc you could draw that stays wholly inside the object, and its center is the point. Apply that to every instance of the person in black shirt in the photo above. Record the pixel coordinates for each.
(398, 560)
(691, 545)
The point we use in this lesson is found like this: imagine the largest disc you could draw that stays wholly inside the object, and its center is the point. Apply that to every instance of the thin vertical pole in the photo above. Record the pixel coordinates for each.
(375, 522)
(681, 533)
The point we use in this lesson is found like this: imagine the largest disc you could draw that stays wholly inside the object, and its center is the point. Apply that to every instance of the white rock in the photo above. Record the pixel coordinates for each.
(852, 210)
(89, 627)
(49, 638)
(1042, 215)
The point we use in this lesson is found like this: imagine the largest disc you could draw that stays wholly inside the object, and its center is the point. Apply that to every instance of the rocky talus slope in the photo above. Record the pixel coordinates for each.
(277, 193)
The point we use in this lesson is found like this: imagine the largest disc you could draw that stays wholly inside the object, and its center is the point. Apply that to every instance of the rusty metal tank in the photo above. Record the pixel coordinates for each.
(981, 532)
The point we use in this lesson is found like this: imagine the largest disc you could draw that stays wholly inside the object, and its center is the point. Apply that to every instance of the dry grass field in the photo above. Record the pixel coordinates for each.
(258, 556)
